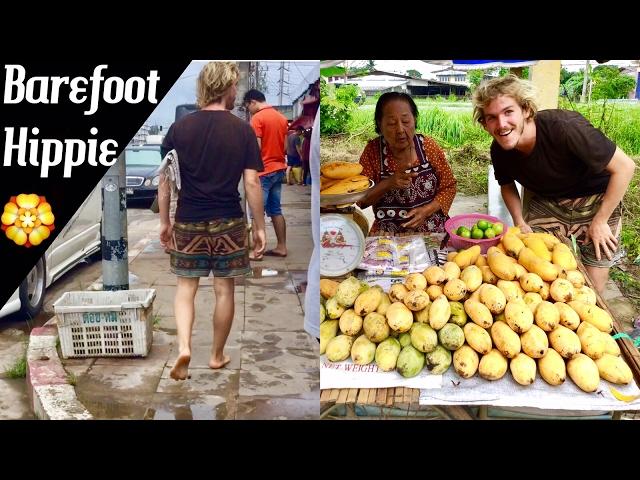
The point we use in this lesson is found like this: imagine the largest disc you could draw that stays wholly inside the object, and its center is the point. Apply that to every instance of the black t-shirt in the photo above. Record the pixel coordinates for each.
(567, 161)
(214, 147)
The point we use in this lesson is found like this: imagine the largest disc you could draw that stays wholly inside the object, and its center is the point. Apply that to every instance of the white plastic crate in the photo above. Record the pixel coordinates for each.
(105, 324)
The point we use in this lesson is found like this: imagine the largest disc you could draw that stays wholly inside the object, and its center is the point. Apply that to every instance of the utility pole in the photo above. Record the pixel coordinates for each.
(585, 82)
(115, 259)
(283, 83)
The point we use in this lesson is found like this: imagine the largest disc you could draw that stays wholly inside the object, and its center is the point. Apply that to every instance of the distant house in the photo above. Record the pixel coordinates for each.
(451, 75)
(378, 81)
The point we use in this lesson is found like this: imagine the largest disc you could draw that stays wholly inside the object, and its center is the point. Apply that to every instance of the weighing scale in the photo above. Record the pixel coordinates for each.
(343, 229)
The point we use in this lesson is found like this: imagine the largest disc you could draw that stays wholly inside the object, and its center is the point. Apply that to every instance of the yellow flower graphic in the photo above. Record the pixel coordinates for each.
(27, 219)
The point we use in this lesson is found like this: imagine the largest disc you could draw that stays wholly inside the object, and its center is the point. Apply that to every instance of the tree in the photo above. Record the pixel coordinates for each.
(475, 77)
(414, 73)
(608, 82)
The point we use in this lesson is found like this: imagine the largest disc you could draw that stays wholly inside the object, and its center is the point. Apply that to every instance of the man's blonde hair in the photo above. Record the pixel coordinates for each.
(214, 80)
(522, 91)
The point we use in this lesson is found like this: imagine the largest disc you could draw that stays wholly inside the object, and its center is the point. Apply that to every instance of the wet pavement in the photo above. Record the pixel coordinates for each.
(274, 369)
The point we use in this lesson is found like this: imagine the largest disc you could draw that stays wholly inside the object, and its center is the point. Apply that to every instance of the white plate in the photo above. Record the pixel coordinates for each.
(341, 245)
(344, 198)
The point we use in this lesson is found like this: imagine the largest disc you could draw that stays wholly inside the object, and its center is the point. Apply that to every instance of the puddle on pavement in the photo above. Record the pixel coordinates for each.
(195, 411)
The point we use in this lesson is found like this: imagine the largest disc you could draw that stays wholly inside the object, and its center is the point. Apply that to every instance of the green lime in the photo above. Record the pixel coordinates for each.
(462, 229)
(466, 233)
(489, 233)
(497, 228)
(477, 233)
(482, 224)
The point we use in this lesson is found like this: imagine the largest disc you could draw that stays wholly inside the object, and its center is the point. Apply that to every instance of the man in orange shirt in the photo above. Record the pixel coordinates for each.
(271, 129)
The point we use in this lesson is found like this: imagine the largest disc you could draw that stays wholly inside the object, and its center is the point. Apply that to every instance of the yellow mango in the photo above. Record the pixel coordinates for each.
(415, 281)
(434, 291)
(523, 369)
(531, 282)
(563, 256)
(493, 365)
(614, 369)
(435, 275)
(538, 246)
(506, 340)
(610, 345)
(518, 316)
(416, 300)
(455, 289)
(472, 277)
(512, 244)
(375, 327)
(547, 316)
(493, 298)
(465, 361)
(368, 301)
(479, 313)
(488, 276)
(350, 323)
(477, 338)
(568, 316)
(532, 300)
(467, 257)
(565, 342)
(399, 317)
(561, 290)
(593, 314)
(534, 342)
(552, 368)
(439, 312)
(584, 372)
(535, 264)
(451, 271)
(500, 265)
(328, 330)
(593, 345)
(397, 292)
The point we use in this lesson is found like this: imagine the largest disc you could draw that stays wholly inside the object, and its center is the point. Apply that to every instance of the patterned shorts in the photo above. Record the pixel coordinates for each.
(218, 246)
(572, 216)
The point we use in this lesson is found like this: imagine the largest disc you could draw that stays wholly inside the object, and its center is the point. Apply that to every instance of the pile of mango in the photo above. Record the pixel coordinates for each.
(342, 177)
(523, 307)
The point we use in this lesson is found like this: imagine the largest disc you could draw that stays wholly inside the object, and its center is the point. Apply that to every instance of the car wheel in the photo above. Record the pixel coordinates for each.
(32, 290)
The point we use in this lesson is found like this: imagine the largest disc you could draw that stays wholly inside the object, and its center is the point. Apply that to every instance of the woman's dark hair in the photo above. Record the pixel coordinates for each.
(389, 96)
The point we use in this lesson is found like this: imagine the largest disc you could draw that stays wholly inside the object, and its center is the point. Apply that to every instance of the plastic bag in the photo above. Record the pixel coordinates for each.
(397, 256)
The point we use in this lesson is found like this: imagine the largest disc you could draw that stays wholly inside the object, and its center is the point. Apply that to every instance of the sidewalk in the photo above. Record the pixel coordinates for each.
(274, 371)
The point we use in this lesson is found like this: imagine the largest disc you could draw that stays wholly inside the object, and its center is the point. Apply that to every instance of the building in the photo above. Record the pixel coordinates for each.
(377, 82)
(451, 75)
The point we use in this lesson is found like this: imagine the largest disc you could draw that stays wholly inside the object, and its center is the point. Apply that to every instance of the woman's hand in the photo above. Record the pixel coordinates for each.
(418, 215)
(401, 179)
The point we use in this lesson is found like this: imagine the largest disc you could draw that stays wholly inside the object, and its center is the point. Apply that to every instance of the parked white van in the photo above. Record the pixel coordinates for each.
(79, 239)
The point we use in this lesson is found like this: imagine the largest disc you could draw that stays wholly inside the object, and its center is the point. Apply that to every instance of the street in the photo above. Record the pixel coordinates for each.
(14, 329)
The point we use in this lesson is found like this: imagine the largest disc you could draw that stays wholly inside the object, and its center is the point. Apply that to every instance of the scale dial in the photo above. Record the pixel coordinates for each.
(341, 245)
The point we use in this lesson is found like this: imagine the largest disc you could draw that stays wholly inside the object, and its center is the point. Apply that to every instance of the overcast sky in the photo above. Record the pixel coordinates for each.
(300, 74)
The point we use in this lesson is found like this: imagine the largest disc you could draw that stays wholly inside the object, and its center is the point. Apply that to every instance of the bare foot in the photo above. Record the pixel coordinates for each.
(214, 363)
(180, 370)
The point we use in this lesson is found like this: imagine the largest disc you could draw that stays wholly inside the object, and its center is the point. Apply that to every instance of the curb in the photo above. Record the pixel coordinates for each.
(51, 395)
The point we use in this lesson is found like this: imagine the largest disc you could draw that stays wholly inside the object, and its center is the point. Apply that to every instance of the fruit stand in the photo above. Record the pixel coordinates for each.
(498, 292)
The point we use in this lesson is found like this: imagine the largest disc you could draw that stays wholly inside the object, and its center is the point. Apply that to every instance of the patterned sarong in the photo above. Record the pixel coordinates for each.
(218, 246)
(564, 217)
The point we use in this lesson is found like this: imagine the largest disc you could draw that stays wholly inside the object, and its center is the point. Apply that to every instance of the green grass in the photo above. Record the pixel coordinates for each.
(19, 369)
(72, 379)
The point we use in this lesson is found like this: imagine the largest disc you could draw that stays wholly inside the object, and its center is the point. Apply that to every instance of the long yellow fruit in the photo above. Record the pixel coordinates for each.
(341, 170)
(346, 186)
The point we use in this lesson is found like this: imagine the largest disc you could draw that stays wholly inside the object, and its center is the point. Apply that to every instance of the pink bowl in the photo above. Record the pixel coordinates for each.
(469, 220)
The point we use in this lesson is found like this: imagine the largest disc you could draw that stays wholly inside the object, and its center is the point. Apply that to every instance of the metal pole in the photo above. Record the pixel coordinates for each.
(115, 265)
